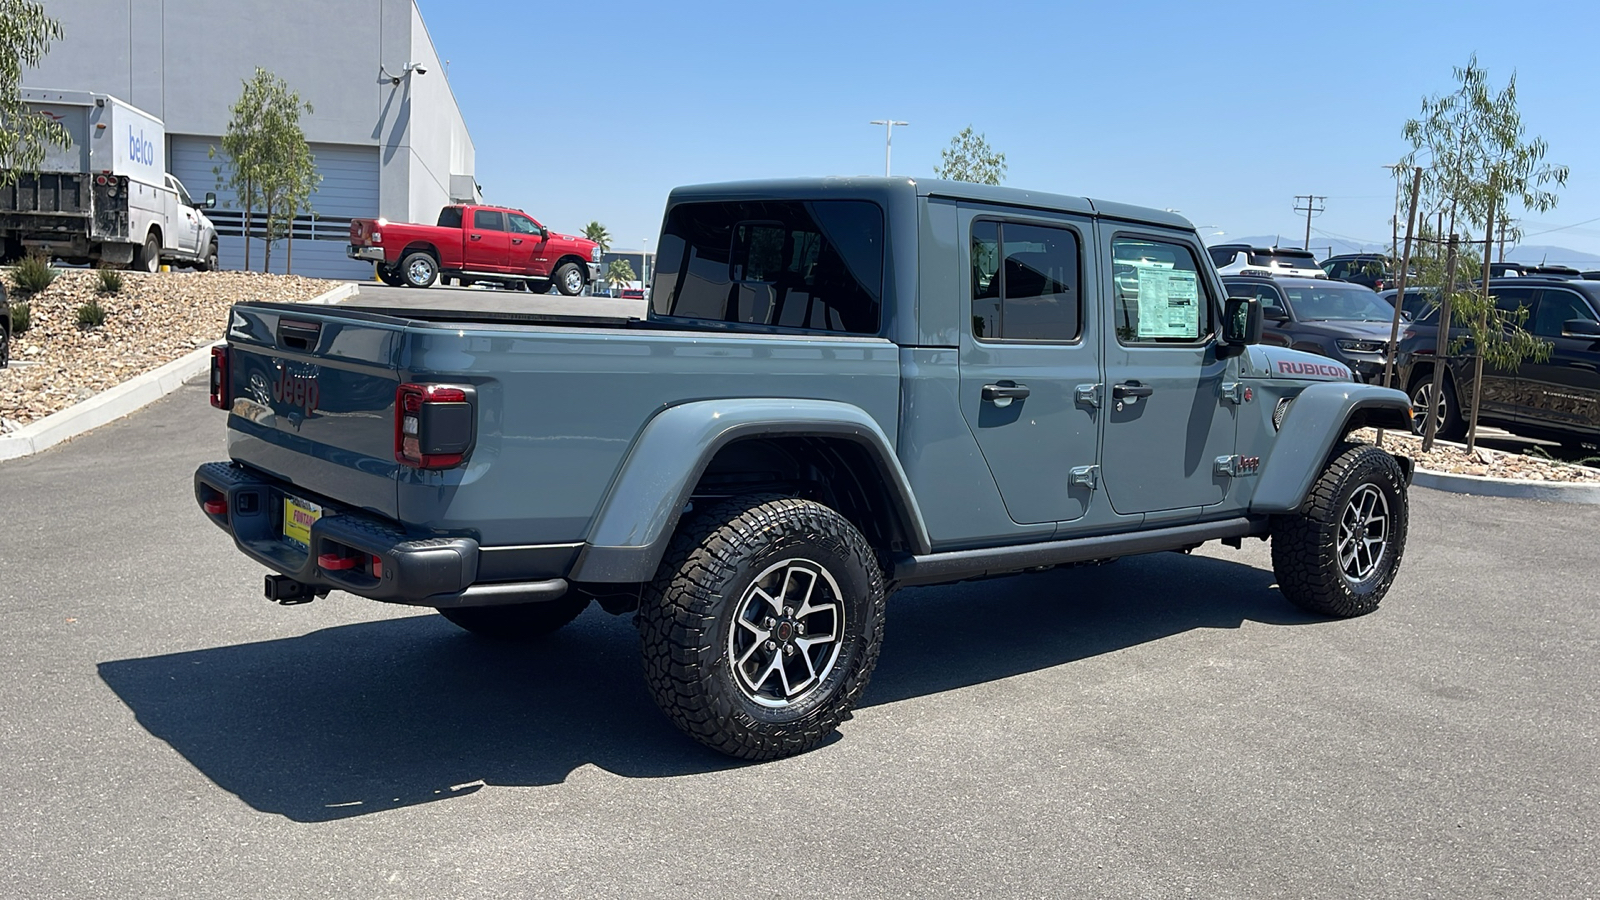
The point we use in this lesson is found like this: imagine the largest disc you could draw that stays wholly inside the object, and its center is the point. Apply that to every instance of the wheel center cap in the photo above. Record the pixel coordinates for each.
(785, 631)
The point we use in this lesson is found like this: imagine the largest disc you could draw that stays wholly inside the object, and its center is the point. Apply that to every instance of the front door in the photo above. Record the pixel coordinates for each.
(182, 218)
(1167, 422)
(1563, 391)
(1028, 345)
(527, 247)
(488, 243)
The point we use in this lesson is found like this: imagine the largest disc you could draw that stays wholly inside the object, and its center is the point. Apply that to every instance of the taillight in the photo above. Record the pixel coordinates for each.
(433, 425)
(219, 377)
(377, 237)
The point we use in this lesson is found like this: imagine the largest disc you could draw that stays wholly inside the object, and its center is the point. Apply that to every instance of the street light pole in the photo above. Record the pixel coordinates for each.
(888, 138)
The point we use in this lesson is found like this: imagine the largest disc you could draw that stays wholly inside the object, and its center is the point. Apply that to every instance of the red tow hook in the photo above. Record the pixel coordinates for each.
(334, 562)
(216, 506)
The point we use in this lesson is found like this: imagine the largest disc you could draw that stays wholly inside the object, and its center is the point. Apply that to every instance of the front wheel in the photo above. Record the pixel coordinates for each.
(209, 262)
(519, 622)
(1446, 411)
(569, 279)
(1339, 556)
(763, 625)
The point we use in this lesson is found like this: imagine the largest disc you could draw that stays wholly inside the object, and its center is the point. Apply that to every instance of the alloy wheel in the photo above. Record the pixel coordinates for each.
(1363, 533)
(786, 633)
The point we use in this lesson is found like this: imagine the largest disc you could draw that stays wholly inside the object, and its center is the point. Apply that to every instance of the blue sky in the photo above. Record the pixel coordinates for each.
(1223, 111)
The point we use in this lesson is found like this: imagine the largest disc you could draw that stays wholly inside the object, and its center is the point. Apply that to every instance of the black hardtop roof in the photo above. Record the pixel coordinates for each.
(884, 189)
(1357, 256)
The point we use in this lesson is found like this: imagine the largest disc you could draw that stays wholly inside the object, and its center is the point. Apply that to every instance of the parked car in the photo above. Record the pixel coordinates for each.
(107, 198)
(1513, 270)
(5, 328)
(631, 293)
(1373, 270)
(1558, 399)
(1243, 259)
(811, 416)
(1335, 319)
(476, 243)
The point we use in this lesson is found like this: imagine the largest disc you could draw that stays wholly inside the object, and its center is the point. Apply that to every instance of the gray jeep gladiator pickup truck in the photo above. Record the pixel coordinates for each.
(842, 387)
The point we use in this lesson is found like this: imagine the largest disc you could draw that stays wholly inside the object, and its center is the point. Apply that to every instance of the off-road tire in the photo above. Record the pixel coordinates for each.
(520, 622)
(705, 580)
(1452, 427)
(569, 279)
(1305, 546)
(419, 269)
(148, 256)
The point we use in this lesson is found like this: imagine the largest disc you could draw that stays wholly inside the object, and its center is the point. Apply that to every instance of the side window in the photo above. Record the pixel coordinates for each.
(1510, 300)
(523, 225)
(488, 220)
(1335, 269)
(1223, 257)
(450, 217)
(812, 265)
(1025, 282)
(1555, 308)
(1159, 298)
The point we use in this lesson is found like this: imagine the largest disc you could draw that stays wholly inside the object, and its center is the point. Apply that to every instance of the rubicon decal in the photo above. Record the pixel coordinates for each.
(1288, 367)
(296, 390)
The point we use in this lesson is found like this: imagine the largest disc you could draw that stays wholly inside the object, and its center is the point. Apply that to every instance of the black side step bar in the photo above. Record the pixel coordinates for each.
(959, 565)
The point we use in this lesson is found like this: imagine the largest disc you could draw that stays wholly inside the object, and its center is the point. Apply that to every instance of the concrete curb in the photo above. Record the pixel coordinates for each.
(133, 394)
(1482, 486)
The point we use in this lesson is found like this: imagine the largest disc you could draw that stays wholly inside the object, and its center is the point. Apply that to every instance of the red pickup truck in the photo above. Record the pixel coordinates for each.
(476, 243)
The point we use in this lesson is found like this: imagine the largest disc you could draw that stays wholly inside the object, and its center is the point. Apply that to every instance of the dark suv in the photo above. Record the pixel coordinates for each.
(1558, 399)
(1372, 270)
(1336, 319)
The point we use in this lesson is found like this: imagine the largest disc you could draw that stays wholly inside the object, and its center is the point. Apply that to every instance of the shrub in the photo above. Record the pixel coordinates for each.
(33, 273)
(91, 315)
(110, 281)
(21, 317)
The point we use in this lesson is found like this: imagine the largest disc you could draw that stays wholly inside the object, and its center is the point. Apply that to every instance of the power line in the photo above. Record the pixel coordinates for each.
(1312, 201)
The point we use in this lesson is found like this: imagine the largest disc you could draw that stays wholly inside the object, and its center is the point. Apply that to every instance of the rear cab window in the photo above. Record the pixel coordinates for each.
(488, 220)
(773, 265)
(450, 217)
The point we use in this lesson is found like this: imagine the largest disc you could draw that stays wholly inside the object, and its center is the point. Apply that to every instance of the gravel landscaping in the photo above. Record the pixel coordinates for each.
(153, 320)
(1454, 459)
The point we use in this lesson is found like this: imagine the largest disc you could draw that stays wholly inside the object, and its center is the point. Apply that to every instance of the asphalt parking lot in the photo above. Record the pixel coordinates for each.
(1165, 726)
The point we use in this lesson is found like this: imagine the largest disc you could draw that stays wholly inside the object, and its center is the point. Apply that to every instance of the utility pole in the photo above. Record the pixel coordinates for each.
(1311, 207)
(888, 138)
(1502, 240)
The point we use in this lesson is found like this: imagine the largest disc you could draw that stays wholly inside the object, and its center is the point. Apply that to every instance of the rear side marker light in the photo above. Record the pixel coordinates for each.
(219, 377)
(434, 425)
(377, 567)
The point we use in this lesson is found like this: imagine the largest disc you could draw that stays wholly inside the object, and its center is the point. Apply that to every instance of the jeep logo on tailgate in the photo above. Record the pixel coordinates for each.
(296, 390)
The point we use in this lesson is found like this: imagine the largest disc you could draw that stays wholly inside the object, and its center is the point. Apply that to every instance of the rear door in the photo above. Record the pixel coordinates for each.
(1505, 394)
(1167, 423)
(312, 400)
(488, 246)
(1563, 391)
(1028, 348)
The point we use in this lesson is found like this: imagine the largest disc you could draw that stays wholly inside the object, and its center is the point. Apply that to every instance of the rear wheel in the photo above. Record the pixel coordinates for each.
(388, 275)
(521, 622)
(1339, 557)
(763, 625)
(569, 279)
(419, 269)
(148, 259)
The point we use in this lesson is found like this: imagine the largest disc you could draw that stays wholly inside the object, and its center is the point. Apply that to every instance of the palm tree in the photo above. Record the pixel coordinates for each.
(596, 232)
(619, 273)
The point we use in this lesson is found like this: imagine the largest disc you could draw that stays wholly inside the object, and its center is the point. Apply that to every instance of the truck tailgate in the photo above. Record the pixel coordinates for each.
(312, 400)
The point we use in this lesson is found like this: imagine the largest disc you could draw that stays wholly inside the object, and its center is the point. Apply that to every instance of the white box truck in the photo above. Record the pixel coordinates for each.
(107, 199)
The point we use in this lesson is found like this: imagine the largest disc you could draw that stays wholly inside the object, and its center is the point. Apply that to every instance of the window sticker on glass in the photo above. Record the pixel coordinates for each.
(1169, 301)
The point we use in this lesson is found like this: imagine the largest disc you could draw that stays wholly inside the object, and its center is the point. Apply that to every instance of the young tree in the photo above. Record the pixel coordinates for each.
(1475, 160)
(596, 232)
(300, 169)
(970, 158)
(25, 36)
(269, 163)
(619, 273)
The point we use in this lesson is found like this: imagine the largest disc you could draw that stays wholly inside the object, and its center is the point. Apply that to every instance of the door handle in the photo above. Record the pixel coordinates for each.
(475, 237)
(1130, 389)
(516, 240)
(1003, 393)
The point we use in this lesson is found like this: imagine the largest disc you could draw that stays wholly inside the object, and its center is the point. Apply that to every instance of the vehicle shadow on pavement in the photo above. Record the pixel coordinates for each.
(363, 718)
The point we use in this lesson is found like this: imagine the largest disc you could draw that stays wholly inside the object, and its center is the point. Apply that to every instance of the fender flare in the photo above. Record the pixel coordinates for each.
(1320, 416)
(641, 510)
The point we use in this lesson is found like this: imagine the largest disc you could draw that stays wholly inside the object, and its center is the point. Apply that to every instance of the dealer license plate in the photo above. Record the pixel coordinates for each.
(298, 516)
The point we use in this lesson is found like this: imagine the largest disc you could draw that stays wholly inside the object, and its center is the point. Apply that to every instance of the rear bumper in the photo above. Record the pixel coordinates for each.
(360, 553)
(369, 254)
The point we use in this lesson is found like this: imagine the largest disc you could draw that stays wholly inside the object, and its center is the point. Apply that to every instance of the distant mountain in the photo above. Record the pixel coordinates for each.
(1325, 247)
